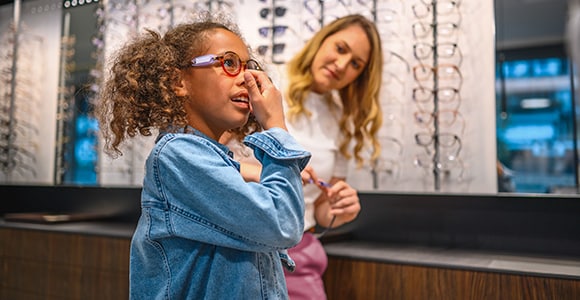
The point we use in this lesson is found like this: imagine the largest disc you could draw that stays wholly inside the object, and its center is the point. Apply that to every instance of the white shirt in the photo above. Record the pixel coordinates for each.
(321, 136)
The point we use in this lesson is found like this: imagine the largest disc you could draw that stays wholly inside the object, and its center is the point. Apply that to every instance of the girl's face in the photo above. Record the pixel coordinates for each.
(340, 59)
(218, 101)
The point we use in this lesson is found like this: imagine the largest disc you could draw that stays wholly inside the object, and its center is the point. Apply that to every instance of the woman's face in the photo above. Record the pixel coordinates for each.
(218, 101)
(340, 59)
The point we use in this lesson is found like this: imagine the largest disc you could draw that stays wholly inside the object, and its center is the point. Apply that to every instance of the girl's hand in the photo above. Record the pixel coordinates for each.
(265, 100)
(308, 175)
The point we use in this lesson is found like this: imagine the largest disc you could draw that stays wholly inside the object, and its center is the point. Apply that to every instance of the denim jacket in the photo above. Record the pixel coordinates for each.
(205, 233)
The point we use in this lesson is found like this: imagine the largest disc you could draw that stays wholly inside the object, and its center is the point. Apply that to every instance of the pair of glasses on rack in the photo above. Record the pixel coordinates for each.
(445, 50)
(313, 25)
(316, 6)
(443, 94)
(215, 5)
(426, 9)
(448, 167)
(423, 72)
(448, 98)
(385, 168)
(379, 15)
(448, 118)
(449, 141)
(279, 11)
(277, 30)
(276, 48)
(18, 125)
(230, 62)
(444, 30)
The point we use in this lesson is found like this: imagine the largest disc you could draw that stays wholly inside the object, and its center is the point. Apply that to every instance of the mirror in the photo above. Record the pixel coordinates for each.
(536, 108)
(78, 30)
(29, 64)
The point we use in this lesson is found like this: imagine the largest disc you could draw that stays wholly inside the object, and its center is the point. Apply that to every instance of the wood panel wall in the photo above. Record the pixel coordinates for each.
(48, 265)
(363, 280)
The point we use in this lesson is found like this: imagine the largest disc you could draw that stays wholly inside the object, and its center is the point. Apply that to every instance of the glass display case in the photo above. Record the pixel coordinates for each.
(536, 124)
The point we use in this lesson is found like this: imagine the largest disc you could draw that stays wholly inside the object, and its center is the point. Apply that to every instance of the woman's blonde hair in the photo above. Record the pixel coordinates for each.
(362, 117)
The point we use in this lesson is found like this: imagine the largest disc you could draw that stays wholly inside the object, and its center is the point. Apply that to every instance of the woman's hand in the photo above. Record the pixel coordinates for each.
(265, 100)
(337, 199)
(343, 202)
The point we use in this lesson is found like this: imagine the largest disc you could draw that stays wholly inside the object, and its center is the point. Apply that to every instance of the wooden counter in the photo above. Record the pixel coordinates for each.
(402, 246)
(90, 260)
(44, 264)
(359, 270)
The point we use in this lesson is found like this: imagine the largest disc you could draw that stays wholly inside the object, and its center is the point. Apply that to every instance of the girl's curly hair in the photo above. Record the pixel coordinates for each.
(138, 94)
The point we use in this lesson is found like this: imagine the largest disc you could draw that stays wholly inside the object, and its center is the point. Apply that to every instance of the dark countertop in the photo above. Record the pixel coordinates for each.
(526, 264)
(524, 234)
(114, 229)
(473, 260)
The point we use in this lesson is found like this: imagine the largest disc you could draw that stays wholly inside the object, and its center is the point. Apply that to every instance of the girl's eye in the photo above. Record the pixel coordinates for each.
(230, 63)
(355, 64)
(340, 49)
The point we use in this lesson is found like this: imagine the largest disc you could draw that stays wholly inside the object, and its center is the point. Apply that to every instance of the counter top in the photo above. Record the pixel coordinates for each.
(369, 251)
(104, 228)
(523, 264)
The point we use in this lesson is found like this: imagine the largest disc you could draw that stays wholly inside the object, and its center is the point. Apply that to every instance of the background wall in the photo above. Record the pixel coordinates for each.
(465, 158)
(277, 30)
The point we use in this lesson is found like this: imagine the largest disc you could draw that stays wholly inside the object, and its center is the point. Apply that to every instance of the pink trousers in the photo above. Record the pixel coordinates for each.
(305, 283)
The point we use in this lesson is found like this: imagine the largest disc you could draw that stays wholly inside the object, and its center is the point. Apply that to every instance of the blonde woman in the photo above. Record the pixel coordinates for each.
(332, 109)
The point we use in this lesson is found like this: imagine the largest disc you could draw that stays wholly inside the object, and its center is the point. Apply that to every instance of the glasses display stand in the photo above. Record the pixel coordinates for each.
(20, 83)
(441, 145)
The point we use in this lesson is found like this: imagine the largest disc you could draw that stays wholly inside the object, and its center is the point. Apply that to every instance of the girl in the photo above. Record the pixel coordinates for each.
(204, 233)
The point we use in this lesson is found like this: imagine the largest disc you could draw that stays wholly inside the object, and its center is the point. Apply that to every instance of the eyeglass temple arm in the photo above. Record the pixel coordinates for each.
(204, 60)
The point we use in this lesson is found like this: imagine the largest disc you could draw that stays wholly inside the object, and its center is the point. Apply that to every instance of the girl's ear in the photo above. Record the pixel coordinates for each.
(180, 87)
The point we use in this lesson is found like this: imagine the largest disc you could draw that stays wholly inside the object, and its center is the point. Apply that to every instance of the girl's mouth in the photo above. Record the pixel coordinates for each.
(241, 100)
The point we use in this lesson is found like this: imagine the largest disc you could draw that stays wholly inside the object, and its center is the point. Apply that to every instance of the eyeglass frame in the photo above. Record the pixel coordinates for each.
(423, 122)
(279, 11)
(421, 55)
(456, 141)
(440, 166)
(277, 30)
(454, 5)
(210, 60)
(432, 92)
(379, 166)
(427, 28)
(277, 48)
(434, 71)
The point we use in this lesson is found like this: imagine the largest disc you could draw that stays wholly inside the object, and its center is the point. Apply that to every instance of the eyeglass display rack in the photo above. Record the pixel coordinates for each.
(437, 168)
(436, 171)
(273, 36)
(18, 123)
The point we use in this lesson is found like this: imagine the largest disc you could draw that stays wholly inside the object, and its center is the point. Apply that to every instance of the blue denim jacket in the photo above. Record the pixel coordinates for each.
(205, 233)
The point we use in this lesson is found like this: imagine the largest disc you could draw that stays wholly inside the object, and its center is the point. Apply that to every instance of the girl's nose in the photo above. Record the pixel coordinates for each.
(240, 81)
